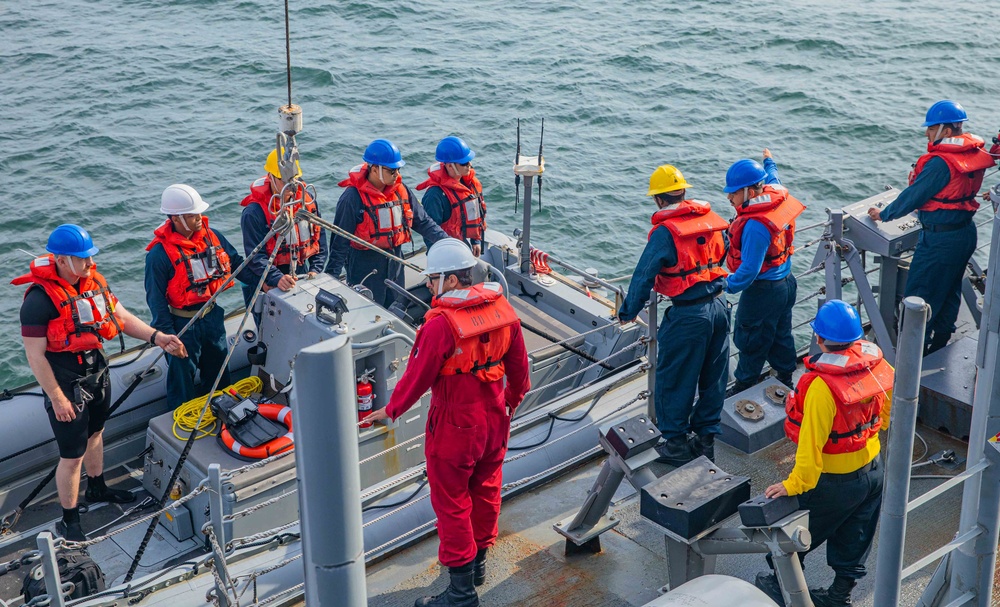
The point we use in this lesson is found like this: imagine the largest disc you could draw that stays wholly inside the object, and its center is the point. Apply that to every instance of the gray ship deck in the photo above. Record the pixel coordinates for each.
(528, 566)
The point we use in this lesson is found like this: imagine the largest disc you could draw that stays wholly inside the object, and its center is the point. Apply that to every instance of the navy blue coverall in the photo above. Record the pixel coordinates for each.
(439, 209)
(693, 344)
(947, 242)
(763, 329)
(350, 212)
(254, 224)
(205, 340)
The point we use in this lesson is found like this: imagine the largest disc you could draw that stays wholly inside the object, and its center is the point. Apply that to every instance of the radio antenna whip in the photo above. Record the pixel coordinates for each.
(540, 138)
(288, 55)
(517, 158)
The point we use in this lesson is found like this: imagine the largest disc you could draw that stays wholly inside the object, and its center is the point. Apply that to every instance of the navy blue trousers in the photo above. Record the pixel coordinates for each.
(764, 328)
(206, 347)
(692, 357)
(361, 263)
(936, 274)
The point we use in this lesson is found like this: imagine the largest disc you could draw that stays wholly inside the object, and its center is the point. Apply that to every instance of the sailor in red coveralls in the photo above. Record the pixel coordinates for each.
(471, 339)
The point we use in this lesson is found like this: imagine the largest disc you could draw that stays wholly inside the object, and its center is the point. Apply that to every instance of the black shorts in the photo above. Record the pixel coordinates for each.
(91, 413)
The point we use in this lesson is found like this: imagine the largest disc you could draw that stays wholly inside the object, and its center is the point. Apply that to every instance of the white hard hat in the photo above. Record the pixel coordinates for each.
(448, 255)
(180, 199)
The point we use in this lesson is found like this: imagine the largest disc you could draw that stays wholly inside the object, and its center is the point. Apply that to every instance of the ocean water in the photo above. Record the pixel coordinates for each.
(108, 102)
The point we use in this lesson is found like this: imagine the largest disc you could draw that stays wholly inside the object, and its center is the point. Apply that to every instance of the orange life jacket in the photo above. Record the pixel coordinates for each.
(479, 317)
(305, 236)
(388, 215)
(204, 263)
(697, 233)
(468, 208)
(967, 162)
(84, 320)
(776, 209)
(859, 379)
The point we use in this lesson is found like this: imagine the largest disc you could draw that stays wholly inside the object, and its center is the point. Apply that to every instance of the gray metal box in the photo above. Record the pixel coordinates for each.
(886, 238)
(947, 386)
(748, 434)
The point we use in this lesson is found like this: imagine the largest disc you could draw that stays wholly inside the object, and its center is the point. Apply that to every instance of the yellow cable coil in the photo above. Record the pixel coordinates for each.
(186, 416)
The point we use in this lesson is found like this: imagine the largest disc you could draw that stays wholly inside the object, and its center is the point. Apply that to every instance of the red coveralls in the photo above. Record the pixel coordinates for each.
(467, 431)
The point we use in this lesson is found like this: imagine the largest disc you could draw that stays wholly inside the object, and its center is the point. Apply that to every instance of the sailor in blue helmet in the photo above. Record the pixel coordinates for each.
(67, 313)
(760, 265)
(834, 416)
(943, 187)
(454, 196)
(684, 260)
(377, 208)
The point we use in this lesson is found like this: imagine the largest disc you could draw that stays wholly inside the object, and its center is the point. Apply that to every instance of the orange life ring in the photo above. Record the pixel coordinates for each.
(271, 411)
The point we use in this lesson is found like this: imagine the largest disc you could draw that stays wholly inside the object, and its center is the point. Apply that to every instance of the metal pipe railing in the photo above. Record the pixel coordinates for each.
(905, 392)
(588, 276)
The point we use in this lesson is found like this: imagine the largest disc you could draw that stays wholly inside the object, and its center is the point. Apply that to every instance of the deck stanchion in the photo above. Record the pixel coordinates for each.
(651, 358)
(216, 513)
(326, 456)
(905, 392)
(50, 567)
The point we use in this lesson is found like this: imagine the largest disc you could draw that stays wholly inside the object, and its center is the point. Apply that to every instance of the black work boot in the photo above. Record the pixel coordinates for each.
(837, 595)
(739, 386)
(479, 568)
(785, 379)
(704, 444)
(675, 451)
(461, 592)
(69, 527)
(98, 491)
(768, 584)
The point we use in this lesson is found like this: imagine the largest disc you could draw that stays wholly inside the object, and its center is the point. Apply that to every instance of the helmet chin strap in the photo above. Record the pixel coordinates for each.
(440, 285)
(938, 134)
(187, 228)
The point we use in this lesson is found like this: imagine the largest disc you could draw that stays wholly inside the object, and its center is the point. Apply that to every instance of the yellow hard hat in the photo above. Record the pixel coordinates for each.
(271, 165)
(666, 178)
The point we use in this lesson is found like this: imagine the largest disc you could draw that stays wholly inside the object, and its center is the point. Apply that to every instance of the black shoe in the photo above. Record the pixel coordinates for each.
(461, 592)
(72, 531)
(479, 568)
(768, 584)
(740, 386)
(704, 444)
(837, 595)
(106, 494)
(675, 451)
(786, 379)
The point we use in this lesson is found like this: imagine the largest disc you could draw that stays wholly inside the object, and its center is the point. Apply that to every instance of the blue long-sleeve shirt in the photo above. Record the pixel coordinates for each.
(754, 242)
(350, 212)
(254, 224)
(159, 271)
(932, 178)
(660, 252)
(438, 207)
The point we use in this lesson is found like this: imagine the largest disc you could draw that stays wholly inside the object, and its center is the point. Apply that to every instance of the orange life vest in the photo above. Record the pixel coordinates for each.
(388, 215)
(86, 317)
(777, 210)
(967, 162)
(468, 208)
(697, 233)
(478, 317)
(305, 236)
(859, 379)
(201, 265)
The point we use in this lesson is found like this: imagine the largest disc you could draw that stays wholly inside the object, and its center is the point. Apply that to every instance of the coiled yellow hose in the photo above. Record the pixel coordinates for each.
(186, 416)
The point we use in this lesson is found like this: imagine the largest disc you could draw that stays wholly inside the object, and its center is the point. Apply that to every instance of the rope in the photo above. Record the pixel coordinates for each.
(263, 535)
(277, 596)
(632, 346)
(821, 224)
(569, 339)
(187, 415)
(248, 511)
(258, 464)
(258, 573)
(393, 448)
(339, 231)
(228, 583)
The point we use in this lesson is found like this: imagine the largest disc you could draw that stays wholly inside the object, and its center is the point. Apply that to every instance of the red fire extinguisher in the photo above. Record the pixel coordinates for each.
(366, 398)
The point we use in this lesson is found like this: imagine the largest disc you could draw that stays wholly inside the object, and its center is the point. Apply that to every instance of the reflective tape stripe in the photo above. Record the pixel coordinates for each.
(836, 360)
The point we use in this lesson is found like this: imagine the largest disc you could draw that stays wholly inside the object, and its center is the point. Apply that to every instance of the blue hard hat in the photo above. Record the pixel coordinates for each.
(383, 153)
(838, 321)
(453, 149)
(945, 111)
(744, 173)
(72, 240)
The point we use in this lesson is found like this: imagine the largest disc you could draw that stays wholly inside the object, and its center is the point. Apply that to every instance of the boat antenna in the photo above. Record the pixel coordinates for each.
(28, 253)
(517, 158)
(540, 138)
(288, 55)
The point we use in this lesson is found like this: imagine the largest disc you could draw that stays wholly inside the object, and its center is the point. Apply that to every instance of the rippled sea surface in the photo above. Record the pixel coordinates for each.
(107, 102)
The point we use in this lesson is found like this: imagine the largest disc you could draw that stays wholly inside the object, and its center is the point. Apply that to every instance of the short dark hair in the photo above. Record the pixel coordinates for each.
(464, 276)
(671, 197)
(834, 346)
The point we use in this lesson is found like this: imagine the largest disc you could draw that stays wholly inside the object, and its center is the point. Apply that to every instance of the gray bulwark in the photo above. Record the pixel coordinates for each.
(328, 478)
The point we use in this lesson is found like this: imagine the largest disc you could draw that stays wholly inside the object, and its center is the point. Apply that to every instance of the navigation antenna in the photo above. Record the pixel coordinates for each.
(517, 177)
(541, 136)
(528, 167)
(288, 55)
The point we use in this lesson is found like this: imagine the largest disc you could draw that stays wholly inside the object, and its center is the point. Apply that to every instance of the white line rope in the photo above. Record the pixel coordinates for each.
(248, 511)
(263, 535)
(277, 596)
